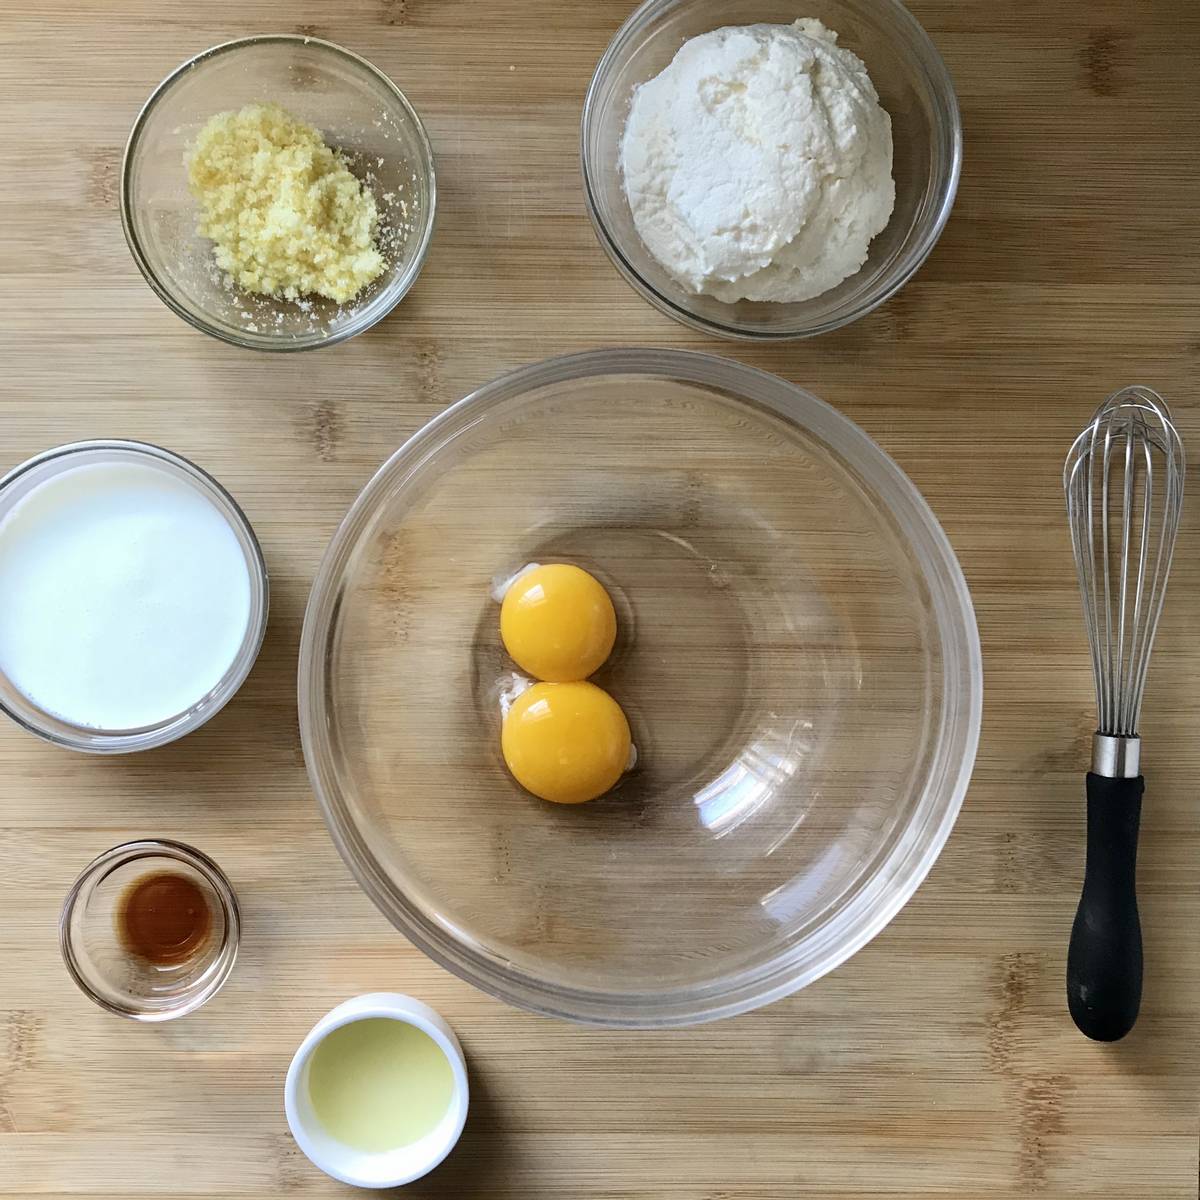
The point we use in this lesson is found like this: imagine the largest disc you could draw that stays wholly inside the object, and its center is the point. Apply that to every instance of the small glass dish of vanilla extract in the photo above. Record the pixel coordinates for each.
(150, 930)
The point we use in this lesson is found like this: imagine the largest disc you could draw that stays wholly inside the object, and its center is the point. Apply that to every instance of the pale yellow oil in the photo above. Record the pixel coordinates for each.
(379, 1084)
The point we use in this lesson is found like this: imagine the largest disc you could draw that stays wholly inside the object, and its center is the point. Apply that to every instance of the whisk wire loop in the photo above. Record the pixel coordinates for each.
(1123, 480)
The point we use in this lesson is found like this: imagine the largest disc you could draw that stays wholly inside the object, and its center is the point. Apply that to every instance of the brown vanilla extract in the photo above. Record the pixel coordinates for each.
(164, 918)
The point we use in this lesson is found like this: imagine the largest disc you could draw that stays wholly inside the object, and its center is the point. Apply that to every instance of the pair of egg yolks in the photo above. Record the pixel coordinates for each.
(564, 740)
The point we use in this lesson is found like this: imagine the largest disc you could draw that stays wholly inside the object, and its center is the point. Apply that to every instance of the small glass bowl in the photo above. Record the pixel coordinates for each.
(915, 88)
(357, 109)
(15, 704)
(118, 980)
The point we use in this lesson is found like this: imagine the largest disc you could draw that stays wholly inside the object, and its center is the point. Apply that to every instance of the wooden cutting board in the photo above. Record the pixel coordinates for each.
(939, 1061)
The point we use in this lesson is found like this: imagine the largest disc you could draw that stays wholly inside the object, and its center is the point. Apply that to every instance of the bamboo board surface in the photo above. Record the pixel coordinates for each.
(940, 1060)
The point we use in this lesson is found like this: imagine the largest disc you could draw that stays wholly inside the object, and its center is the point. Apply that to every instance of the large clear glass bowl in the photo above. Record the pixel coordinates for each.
(797, 655)
(358, 110)
(914, 87)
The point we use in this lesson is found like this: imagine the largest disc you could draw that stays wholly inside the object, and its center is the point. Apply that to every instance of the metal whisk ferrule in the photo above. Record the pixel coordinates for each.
(1124, 486)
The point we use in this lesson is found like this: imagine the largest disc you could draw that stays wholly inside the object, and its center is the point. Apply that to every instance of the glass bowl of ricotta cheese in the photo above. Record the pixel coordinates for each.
(766, 170)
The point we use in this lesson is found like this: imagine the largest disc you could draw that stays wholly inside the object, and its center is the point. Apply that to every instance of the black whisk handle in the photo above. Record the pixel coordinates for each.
(1104, 963)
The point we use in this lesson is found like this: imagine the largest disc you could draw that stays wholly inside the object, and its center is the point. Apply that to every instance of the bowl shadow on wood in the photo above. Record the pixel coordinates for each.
(478, 1164)
(248, 750)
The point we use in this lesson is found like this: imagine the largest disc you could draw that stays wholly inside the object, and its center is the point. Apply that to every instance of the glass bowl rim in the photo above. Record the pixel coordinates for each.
(942, 85)
(117, 856)
(866, 912)
(128, 741)
(266, 344)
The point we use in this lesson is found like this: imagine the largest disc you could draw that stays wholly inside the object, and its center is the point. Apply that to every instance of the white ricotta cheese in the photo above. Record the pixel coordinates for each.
(758, 164)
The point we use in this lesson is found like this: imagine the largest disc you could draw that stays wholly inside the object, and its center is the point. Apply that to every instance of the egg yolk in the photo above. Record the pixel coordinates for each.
(557, 623)
(566, 742)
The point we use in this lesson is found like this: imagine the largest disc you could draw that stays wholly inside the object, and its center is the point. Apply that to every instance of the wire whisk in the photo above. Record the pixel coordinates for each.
(1124, 484)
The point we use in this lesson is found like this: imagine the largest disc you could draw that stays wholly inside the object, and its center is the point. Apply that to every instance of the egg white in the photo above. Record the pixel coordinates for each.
(501, 583)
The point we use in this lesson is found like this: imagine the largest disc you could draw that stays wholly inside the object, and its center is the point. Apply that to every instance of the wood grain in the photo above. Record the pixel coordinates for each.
(940, 1061)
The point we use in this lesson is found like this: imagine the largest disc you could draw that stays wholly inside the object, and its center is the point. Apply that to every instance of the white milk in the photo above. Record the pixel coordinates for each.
(124, 595)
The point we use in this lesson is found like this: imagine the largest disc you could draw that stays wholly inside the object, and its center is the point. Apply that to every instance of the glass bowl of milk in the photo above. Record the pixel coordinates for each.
(133, 596)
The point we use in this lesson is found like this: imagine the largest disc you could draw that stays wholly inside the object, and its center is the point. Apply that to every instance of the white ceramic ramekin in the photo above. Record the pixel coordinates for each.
(392, 1168)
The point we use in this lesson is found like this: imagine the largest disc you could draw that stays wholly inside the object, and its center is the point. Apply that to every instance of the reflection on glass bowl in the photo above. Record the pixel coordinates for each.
(797, 656)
